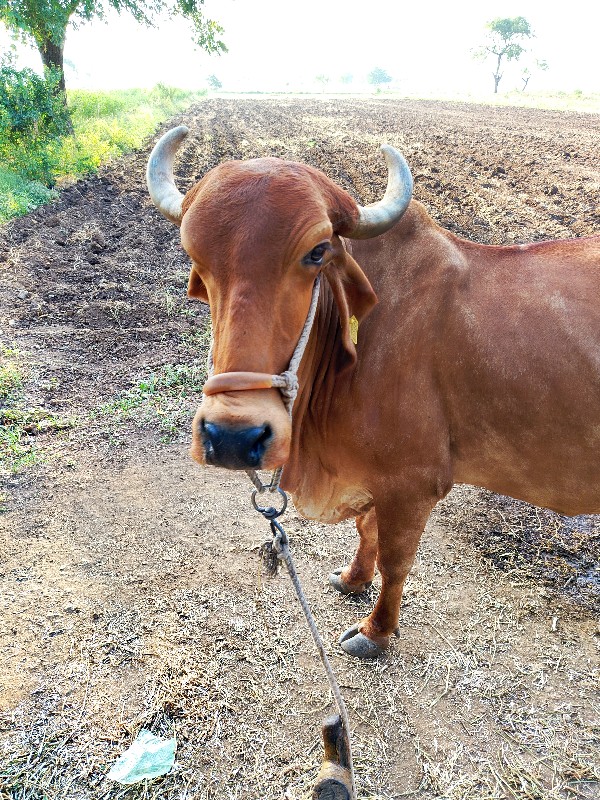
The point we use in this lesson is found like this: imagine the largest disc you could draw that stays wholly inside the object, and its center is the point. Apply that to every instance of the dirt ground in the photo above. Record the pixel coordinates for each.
(131, 593)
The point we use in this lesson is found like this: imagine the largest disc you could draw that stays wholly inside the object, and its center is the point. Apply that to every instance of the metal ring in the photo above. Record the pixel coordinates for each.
(270, 512)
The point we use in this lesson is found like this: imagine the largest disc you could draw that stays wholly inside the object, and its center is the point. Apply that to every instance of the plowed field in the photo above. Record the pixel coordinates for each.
(130, 589)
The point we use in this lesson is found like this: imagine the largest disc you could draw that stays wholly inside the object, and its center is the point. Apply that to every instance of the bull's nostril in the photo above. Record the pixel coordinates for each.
(210, 438)
(257, 451)
(209, 452)
(266, 434)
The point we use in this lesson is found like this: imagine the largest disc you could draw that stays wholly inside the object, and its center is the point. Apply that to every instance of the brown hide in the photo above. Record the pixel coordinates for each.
(479, 364)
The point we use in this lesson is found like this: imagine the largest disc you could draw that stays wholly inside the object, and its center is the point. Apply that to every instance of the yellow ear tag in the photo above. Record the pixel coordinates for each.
(354, 329)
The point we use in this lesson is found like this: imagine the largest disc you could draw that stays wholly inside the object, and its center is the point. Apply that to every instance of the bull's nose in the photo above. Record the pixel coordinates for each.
(234, 448)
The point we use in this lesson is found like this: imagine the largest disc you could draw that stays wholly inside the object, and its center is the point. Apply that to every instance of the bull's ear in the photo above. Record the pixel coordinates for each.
(354, 297)
(196, 287)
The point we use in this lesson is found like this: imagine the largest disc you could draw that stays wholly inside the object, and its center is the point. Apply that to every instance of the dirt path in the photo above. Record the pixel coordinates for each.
(130, 590)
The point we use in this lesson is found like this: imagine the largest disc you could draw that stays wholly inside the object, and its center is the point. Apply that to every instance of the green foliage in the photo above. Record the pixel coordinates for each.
(206, 32)
(163, 95)
(32, 117)
(41, 21)
(109, 124)
(28, 104)
(19, 196)
(47, 21)
(86, 105)
(214, 83)
(529, 70)
(378, 76)
(505, 30)
(106, 125)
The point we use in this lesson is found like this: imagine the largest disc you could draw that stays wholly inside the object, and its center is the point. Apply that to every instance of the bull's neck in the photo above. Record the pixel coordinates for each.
(317, 380)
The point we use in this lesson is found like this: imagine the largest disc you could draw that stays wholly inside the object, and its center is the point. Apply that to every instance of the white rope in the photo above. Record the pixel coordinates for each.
(288, 385)
(286, 382)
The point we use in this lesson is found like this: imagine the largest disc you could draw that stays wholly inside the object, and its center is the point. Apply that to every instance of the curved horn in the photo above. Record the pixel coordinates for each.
(380, 217)
(159, 174)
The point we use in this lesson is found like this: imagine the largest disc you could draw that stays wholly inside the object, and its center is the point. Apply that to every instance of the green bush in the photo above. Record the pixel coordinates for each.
(36, 152)
(98, 140)
(19, 196)
(32, 118)
(84, 104)
(168, 94)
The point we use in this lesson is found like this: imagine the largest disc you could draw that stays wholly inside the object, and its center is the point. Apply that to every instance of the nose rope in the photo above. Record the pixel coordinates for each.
(286, 382)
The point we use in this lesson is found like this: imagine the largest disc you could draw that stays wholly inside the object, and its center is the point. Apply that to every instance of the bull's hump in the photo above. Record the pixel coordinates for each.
(263, 166)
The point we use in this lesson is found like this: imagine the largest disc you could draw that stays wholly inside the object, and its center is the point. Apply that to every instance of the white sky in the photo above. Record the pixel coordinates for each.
(425, 46)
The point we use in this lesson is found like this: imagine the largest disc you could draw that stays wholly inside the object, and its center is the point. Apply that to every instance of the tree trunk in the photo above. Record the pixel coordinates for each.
(53, 58)
(497, 74)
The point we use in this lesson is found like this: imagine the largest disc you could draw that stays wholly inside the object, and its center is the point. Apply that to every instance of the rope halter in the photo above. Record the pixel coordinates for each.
(286, 382)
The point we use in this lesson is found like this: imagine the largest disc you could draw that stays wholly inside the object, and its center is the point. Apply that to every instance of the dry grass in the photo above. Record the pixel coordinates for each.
(476, 709)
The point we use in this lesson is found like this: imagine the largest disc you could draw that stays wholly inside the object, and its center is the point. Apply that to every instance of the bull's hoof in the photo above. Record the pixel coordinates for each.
(335, 580)
(358, 645)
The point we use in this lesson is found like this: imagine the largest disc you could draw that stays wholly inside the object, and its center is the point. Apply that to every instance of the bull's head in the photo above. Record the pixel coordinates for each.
(258, 232)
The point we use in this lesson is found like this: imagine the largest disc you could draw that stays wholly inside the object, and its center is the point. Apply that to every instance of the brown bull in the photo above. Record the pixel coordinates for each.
(479, 364)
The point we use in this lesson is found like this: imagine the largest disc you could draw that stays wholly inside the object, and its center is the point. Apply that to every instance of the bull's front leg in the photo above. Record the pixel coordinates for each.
(358, 575)
(399, 528)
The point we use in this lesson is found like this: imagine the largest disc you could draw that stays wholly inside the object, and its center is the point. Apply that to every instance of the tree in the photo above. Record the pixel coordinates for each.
(44, 23)
(504, 37)
(379, 76)
(214, 83)
(323, 80)
(347, 78)
(528, 72)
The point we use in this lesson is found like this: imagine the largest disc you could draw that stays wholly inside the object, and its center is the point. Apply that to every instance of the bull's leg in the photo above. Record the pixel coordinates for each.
(400, 528)
(357, 576)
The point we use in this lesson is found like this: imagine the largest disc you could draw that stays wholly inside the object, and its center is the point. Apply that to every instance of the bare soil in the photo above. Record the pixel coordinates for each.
(131, 594)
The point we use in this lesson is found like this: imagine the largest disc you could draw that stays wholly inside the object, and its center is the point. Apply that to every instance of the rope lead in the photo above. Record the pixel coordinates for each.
(278, 549)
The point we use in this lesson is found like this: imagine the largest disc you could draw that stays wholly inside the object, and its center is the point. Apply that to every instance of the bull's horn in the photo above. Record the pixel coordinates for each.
(380, 217)
(159, 174)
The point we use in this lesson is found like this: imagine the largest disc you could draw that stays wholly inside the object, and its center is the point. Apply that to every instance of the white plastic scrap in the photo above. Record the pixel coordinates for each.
(148, 756)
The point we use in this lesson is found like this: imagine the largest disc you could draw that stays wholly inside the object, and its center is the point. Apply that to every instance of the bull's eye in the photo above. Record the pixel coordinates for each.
(316, 255)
